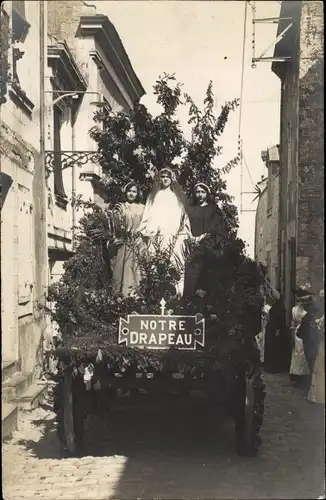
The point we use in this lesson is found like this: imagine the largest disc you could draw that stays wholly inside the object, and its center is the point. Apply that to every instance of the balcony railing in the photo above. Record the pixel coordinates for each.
(69, 158)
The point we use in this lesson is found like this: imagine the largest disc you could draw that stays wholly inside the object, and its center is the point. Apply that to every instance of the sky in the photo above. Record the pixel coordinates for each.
(201, 41)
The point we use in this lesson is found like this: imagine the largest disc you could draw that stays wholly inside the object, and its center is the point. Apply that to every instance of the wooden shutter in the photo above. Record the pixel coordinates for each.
(59, 190)
(25, 246)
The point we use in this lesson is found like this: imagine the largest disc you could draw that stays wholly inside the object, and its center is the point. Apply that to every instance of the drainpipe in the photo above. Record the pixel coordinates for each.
(73, 188)
(42, 132)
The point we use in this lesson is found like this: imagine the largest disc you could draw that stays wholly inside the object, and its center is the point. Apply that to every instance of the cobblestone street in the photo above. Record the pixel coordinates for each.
(141, 452)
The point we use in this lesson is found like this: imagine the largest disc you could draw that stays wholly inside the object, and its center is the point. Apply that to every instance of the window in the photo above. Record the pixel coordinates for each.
(269, 191)
(277, 278)
(25, 245)
(59, 191)
(275, 167)
(283, 267)
(20, 28)
(293, 255)
(289, 152)
(107, 105)
(269, 265)
(108, 108)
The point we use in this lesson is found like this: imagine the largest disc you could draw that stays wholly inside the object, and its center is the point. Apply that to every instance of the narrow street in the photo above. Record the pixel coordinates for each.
(141, 452)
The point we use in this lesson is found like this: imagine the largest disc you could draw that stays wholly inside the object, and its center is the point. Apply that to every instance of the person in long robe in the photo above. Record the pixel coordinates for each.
(208, 228)
(299, 369)
(164, 222)
(126, 272)
(260, 337)
(277, 341)
(310, 334)
(317, 387)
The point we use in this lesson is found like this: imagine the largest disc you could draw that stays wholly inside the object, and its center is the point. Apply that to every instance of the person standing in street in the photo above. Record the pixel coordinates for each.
(317, 387)
(277, 345)
(260, 337)
(309, 333)
(299, 370)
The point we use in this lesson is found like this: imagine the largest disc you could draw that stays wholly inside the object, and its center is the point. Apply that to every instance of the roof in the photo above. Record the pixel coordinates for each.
(101, 28)
(287, 45)
(273, 154)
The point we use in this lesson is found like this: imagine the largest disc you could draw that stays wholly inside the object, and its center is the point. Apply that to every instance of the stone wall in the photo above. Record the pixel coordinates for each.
(310, 247)
(266, 227)
(23, 215)
(288, 180)
(272, 231)
(301, 198)
(261, 226)
(63, 21)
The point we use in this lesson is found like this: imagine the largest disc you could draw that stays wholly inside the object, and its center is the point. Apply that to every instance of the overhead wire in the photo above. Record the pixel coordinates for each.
(240, 145)
(242, 67)
(248, 170)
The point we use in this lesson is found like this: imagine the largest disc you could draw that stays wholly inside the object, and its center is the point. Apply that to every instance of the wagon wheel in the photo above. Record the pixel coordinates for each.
(73, 414)
(249, 409)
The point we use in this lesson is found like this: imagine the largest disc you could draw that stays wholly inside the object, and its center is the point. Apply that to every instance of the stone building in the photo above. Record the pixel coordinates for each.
(267, 214)
(88, 67)
(65, 61)
(23, 204)
(301, 210)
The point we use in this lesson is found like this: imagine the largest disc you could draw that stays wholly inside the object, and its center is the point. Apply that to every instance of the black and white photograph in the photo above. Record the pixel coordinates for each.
(162, 249)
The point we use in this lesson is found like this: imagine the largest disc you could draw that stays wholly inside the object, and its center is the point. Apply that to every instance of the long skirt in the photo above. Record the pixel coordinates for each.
(299, 365)
(126, 271)
(276, 350)
(260, 339)
(193, 272)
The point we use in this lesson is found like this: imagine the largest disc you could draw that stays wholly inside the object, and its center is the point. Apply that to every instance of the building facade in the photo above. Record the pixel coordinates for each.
(267, 215)
(88, 68)
(301, 195)
(60, 62)
(23, 205)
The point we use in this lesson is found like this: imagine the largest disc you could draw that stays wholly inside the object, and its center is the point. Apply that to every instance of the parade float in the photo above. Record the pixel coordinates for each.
(158, 337)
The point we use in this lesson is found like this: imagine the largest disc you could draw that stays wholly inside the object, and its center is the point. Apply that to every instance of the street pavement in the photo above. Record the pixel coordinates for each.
(142, 451)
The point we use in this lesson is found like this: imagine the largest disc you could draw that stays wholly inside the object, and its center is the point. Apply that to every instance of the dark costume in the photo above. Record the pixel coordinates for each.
(208, 220)
(277, 341)
(310, 335)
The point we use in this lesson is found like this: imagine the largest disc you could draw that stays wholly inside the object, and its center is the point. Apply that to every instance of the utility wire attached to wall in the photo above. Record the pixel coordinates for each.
(243, 162)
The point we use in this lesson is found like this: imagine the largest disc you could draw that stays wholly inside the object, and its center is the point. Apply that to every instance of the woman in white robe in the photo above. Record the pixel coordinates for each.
(299, 365)
(165, 224)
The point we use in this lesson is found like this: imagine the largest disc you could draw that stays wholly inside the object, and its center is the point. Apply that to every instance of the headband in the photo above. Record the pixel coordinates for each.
(166, 169)
(129, 184)
(202, 184)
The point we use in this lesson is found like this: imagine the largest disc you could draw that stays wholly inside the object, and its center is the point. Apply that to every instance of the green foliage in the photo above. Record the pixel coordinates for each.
(129, 145)
(83, 302)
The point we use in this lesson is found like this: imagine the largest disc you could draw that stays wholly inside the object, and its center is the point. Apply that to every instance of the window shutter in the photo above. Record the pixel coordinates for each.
(19, 6)
(58, 180)
(25, 245)
(20, 26)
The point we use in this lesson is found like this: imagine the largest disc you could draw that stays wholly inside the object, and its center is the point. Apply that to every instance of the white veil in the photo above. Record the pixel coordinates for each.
(165, 220)
(165, 210)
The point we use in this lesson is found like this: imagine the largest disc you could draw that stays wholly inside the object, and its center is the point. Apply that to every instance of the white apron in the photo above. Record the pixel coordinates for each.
(299, 365)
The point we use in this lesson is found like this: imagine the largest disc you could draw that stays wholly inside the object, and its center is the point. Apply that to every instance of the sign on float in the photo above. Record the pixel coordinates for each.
(162, 332)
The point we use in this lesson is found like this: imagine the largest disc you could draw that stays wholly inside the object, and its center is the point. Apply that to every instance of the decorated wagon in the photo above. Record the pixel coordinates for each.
(159, 296)
(160, 353)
